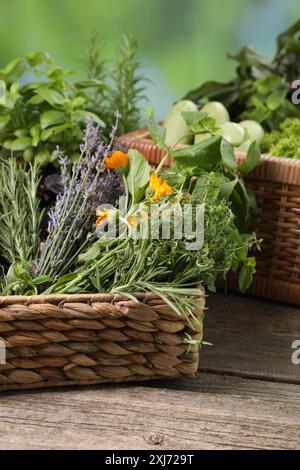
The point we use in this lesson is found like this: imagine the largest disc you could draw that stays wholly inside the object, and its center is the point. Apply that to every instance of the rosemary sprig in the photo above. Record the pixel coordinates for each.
(125, 92)
(128, 85)
(96, 69)
(21, 217)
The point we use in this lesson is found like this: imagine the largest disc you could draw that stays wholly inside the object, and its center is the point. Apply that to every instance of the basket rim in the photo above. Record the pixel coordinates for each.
(272, 168)
(80, 298)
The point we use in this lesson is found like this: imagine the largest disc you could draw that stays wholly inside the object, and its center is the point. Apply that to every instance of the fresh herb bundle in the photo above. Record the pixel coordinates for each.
(49, 109)
(73, 261)
(20, 221)
(21, 217)
(166, 266)
(125, 91)
(129, 263)
(128, 85)
(217, 154)
(262, 87)
(85, 185)
(45, 112)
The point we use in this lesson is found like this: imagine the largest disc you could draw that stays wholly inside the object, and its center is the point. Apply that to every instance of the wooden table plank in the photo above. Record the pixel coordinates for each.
(251, 338)
(221, 413)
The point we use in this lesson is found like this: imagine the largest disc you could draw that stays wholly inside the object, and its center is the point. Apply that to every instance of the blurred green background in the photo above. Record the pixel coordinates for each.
(182, 42)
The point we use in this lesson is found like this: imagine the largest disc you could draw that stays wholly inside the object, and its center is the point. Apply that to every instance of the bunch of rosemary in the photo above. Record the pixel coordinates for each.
(20, 216)
(125, 91)
(20, 219)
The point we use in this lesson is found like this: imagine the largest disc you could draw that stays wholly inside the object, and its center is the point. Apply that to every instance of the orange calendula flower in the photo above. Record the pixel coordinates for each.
(132, 220)
(118, 161)
(159, 186)
(101, 215)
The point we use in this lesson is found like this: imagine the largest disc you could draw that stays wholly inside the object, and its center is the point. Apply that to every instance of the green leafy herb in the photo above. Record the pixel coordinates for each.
(128, 87)
(284, 142)
(51, 109)
(20, 219)
(138, 175)
(157, 132)
(205, 155)
(261, 87)
(43, 113)
(125, 91)
(252, 159)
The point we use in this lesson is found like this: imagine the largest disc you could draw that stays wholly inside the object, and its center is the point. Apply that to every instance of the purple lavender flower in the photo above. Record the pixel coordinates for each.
(86, 185)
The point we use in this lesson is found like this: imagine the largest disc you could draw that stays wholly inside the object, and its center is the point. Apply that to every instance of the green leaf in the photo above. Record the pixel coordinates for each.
(78, 102)
(22, 273)
(228, 156)
(20, 133)
(246, 274)
(227, 188)
(14, 89)
(47, 133)
(10, 276)
(227, 93)
(52, 117)
(269, 84)
(38, 58)
(252, 200)
(37, 281)
(199, 122)
(33, 86)
(7, 144)
(139, 173)
(193, 117)
(204, 156)
(51, 96)
(62, 282)
(28, 155)
(157, 132)
(4, 119)
(207, 187)
(252, 160)
(276, 99)
(2, 92)
(22, 143)
(35, 132)
(11, 66)
(91, 254)
(242, 205)
(90, 83)
(82, 114)
(11, 97)
(58, 74)
(36, 99)
(42, 158)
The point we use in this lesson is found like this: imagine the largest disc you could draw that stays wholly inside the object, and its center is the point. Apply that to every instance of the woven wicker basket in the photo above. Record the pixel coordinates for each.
(276, 182)
(59, 340)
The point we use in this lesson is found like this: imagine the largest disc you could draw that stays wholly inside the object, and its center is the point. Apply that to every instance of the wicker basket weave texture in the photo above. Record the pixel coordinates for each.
(61, 340)
(276, 182)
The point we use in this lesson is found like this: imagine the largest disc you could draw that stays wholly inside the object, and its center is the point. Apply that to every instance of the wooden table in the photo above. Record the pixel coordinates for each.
(247, 395)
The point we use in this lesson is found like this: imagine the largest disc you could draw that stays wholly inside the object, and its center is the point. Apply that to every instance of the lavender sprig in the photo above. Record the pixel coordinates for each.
(86, 184)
